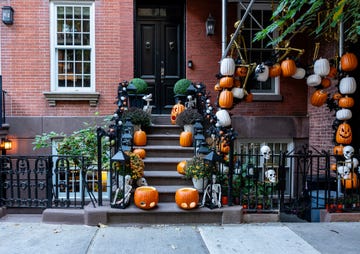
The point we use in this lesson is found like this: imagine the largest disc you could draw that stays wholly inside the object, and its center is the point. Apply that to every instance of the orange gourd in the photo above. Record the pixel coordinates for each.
(187, 198)
(185, 139)
(146, 197)
(175, 111)
(224, 147)
(325, 82)
(217, 87)
(344, 134)
(180, 167)
(241, 71)
(288, 67)
(348, 62)
(275, 70)
(338, 150)
(141, 152)
(337, 96)
(226, 82)
(318, 98)
(332, 72)
(226, 99)
(140, 138)
(351, 183)
(346, 102)
(249, 97)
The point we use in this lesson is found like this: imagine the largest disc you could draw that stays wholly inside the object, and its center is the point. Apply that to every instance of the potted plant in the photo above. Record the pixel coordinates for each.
(137, 116)
(136, 96)
(188, 117)
(180, 88)
(199, 171)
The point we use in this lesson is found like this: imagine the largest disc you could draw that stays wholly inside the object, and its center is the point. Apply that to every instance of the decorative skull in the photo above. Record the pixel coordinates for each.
(344, 172)
(352, 163)
(348, 152)
(271, 175)
(266, 152)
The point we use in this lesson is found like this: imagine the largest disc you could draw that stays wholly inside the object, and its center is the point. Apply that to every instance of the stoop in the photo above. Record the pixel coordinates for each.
(63, 216)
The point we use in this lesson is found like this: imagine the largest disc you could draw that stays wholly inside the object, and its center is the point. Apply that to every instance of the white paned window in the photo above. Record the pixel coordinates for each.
(72, 41)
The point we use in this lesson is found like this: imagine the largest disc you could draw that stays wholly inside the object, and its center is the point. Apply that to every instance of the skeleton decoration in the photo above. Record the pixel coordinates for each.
(148, 98)
(266, 152)
(344, 172)
(270, 175)
(350, 162)
(212, 196)
(122, 194)
(141, 182)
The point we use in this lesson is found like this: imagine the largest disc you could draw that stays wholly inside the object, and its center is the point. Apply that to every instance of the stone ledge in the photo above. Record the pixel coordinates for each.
(63, 216)
(325, 216)
(260, 217)
(53, 97)
(2, 211)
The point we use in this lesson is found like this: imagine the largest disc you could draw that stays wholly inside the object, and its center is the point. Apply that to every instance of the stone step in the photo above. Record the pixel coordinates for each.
(163, 119)
(163, 213)
(164, 129)
(168, 151)
(165, 178)
(163, 139)
(160, 163)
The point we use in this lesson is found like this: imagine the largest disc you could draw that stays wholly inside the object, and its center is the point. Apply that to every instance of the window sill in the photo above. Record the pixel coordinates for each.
(53, 97)
(267, 97)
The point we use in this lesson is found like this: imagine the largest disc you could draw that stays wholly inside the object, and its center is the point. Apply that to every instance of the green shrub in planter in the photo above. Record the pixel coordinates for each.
(181, 85)
(140, 84)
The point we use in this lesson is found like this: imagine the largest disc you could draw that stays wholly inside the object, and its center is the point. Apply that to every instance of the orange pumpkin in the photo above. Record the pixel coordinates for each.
(318, 98)
(337, 96)
(325, 82)
(226, 82)
(187, 198)
(146, 197)
(344, 134)
(175, 111)
(217, 87)
(288, 67)
(346, 102)
(249, 97)
(351, 183)
(338, 150)
(141, 152)
(226, 99)
(185, 139)
(224, 147)
(348, 62)
(140, 138)
(332, 72)
(275, 70)
(180, 167)
(241, 71)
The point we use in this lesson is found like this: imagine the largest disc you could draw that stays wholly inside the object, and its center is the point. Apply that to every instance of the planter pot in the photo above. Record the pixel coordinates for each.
(200, 183)
(189, 128)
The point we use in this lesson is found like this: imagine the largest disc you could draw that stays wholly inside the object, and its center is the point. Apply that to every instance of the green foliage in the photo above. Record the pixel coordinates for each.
(292, 16)
(137, 117)
(82, 142)
(181, 86)
(140, 84)
(198, 168)
(188, 116)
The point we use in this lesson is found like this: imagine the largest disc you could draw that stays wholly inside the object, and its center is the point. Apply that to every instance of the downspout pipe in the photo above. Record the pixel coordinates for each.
(225, 52)
(224, 26)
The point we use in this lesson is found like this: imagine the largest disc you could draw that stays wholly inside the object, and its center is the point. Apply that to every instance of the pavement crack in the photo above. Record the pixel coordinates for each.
(92, 240)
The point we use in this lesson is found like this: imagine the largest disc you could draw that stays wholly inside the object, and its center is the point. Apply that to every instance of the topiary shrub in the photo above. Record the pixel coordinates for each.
(140, 84)
(181, 85)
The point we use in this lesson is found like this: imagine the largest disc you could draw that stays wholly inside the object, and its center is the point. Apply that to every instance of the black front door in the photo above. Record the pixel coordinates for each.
(159, 51)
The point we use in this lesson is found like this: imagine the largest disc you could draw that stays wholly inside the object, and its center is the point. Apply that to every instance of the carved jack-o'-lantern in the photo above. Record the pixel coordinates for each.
(175, 111)
(187, 198)
(146, 197)
(344, 134)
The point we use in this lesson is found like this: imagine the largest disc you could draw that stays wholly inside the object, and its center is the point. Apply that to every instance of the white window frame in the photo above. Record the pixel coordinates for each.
(275, 82)
(53, 47)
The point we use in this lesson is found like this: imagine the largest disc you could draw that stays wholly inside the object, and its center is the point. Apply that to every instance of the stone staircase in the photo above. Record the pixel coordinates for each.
(163, 153)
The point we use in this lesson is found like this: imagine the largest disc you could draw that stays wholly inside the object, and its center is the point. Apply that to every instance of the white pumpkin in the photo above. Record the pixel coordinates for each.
(227, 66)
(263, 76)
(223, 118)
(299, 74)
(347, 85)
(313, 80)
(343, 114)
(238, 92)
(322, 67)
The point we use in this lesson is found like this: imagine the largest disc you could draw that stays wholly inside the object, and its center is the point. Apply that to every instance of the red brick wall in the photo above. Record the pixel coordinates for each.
(26, 58)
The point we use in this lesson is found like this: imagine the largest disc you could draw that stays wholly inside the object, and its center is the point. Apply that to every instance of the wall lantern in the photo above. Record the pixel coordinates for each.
(7, 15)
(6, 144)
(210, 25)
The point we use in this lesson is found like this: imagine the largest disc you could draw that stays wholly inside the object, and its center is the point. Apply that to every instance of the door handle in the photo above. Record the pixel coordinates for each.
(162, 72)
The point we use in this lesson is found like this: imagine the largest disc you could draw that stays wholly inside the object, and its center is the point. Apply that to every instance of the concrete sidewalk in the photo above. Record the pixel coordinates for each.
(36, 237)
